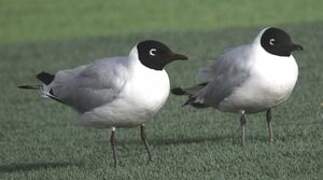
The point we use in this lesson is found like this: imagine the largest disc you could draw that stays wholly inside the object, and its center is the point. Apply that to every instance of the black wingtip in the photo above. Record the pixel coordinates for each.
(45, 77)
(28, 87)
(178, 91)
(191, 102)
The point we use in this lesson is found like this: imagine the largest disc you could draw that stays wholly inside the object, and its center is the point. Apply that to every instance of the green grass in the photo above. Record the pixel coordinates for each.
(38, 138)
(41, 20)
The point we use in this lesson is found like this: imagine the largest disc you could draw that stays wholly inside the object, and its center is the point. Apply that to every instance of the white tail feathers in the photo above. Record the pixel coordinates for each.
(44, 91)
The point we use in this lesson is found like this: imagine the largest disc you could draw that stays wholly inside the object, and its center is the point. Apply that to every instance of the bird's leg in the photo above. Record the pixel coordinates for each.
(243, 127)
(143, 138)
(113, 141)
(270, 132)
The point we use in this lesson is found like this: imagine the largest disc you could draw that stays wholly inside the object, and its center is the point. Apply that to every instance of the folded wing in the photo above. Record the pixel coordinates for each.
(223, 76)
(90, 86)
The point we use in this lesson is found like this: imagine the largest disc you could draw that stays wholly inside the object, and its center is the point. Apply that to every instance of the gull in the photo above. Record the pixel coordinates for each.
(250, 78)
(115, 92)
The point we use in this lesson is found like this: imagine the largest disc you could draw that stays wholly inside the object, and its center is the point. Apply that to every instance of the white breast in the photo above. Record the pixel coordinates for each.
(271, 81)
(147, 90)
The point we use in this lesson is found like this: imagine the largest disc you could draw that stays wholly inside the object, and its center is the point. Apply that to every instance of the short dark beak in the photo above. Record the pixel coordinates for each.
(297, 47)
(175, 56)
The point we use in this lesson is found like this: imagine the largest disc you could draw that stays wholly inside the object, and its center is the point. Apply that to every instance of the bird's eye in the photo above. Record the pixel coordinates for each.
(272, 41)
(152, 51)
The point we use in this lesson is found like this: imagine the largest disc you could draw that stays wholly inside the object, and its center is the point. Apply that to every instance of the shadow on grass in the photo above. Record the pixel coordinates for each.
(189, 140)
(14, 167)
(172, 141)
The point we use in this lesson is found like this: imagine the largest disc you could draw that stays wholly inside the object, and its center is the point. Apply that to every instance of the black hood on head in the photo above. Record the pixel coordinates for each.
(278, 42)
(156, 55)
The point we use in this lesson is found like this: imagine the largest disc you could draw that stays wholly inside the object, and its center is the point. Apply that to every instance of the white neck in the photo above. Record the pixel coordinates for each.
(257, 40)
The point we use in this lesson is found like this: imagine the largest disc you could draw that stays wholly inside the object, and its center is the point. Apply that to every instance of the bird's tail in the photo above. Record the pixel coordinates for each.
(191, 93)
(45, 79)
(178, 91)
(32, 87)
(43, 89)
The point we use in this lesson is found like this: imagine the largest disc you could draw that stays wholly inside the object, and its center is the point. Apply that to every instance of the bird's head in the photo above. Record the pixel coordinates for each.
(277, 42)
(156, 55)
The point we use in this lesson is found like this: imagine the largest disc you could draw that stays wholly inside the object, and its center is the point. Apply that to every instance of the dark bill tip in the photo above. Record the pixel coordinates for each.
(297, 47)
(175, 56)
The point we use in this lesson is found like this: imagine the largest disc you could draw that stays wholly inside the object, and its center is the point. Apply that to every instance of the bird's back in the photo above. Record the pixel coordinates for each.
(89, 86)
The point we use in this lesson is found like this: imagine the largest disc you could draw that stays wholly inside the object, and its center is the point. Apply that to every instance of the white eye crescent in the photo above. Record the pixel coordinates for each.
(152, 51)
(272, 41)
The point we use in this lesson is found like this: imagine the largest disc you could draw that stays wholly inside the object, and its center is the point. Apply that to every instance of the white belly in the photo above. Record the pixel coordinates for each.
(270, 83)
(142, 97)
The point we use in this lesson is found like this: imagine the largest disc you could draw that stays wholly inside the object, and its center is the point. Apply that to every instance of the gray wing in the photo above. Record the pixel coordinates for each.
(223, 76)
(89, 86)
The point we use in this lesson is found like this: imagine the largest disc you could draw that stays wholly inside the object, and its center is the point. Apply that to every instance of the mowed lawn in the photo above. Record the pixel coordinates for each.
(39, 139)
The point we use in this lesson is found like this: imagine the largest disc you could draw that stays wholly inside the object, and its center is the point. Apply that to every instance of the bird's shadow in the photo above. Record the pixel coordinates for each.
(14, 167)
(176, 141)
(189, 140)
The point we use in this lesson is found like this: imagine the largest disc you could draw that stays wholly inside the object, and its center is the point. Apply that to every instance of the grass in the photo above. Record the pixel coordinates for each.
(38, 139)
(42, 20)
